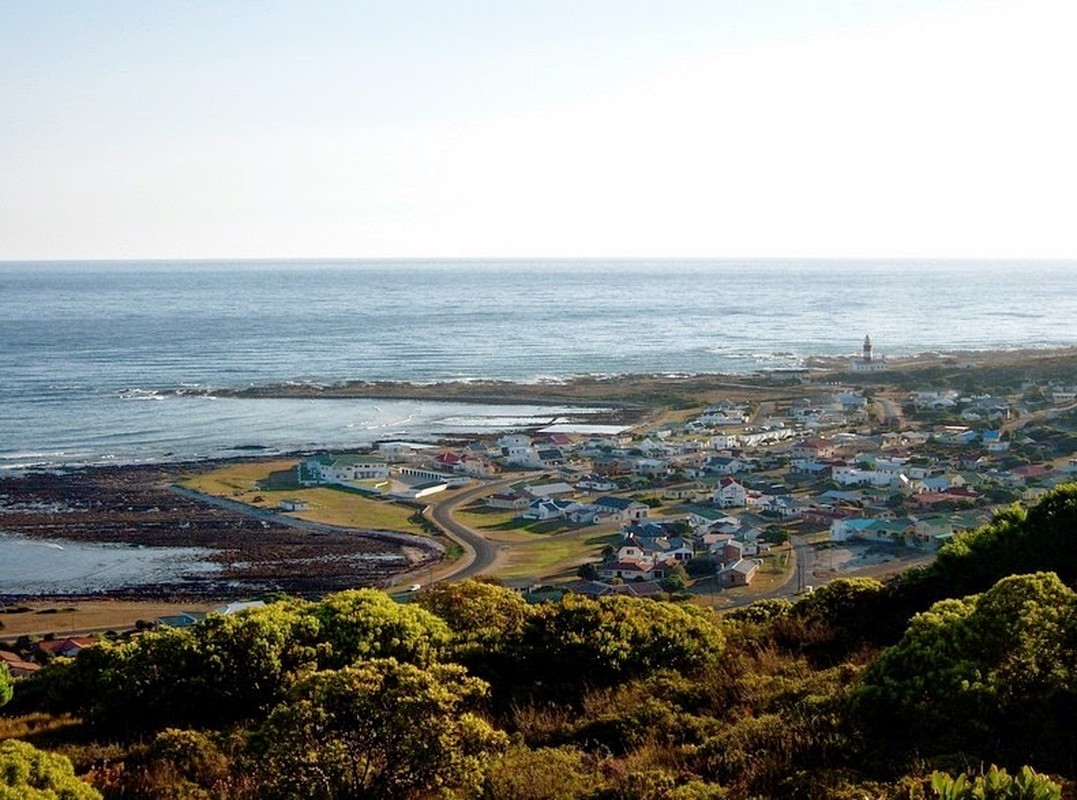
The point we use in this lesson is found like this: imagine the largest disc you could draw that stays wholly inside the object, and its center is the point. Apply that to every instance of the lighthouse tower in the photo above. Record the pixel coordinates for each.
(867, 362)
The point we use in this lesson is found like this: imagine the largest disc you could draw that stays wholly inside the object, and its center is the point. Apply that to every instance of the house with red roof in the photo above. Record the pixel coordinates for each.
(16, 665)
(68, 647)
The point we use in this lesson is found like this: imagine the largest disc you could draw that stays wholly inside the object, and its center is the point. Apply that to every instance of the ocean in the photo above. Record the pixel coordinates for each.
(96, 357)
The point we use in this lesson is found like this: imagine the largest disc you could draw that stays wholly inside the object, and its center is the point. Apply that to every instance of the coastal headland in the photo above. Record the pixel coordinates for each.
(633, 397)
(139, 505)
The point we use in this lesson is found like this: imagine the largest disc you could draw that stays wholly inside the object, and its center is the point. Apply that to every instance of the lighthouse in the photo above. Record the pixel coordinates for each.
(867, 361)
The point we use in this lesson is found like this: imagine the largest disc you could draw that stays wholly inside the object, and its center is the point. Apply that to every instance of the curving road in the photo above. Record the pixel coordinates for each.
(479, 553)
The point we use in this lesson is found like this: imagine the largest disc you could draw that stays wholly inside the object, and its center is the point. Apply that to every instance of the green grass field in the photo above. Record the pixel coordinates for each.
(237, 480)
(499, 525)
(556, 557)
(242, 482)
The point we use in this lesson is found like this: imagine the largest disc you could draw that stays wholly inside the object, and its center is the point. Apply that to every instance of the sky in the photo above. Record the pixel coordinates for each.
(537, 128)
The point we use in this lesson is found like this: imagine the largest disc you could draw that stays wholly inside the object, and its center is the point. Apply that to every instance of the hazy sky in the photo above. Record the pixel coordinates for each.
(717, 128)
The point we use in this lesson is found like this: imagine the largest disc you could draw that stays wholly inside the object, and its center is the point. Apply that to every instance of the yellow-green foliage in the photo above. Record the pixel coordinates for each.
(999, 667)
(27, 773)
(377, 728)
(548, 773)
(238, 667)
(7, 688)
(995, 784)
(478, 613)
(615, 637)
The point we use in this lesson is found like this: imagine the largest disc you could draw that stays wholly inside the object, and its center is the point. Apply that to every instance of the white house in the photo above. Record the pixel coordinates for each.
(621, 508)
(853, 476)
(725, 441)
(516, 447)
(547, 509)
(327, 468)
(596, 483)
(423, 473)
(725, 465)
(782, 506)
(730, 494)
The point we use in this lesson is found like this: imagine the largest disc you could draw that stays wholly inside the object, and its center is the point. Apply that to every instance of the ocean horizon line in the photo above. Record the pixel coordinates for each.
(508, 260)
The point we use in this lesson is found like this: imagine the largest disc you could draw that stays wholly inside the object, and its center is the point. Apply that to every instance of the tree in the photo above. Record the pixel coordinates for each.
(676, 579)
(477, 611)
(1040, 539)
(1053, 522)
(701, 566)
(365, 623)
(238, 667)
(995, 673)
(761, 610)
(774, 534)
(226, 668)
(27, 773)
(587, 571)
(579, 641)
(377, 729)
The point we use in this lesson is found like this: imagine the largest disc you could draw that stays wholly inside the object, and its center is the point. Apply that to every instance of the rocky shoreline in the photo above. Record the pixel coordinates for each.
(631, 398)
(136, 505)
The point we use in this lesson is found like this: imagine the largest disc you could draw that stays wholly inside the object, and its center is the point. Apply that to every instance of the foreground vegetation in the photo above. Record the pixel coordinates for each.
(909, 689)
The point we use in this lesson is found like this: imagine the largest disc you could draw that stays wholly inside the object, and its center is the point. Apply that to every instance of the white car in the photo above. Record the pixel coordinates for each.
(414, 587)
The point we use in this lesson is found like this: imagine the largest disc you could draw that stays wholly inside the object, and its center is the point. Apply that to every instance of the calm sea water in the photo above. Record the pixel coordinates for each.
(31, 566)
(90, 353)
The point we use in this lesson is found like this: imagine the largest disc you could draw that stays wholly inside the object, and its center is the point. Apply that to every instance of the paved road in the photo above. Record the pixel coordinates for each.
(479, 553)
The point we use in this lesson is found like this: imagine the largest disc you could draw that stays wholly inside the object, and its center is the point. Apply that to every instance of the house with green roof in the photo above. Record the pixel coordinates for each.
(328, 468)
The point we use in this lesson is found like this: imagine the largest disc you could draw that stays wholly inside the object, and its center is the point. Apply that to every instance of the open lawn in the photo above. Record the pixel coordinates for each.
(335, 507)
(504, 527)
(242, 481)
(557, 556)
(245, 483)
